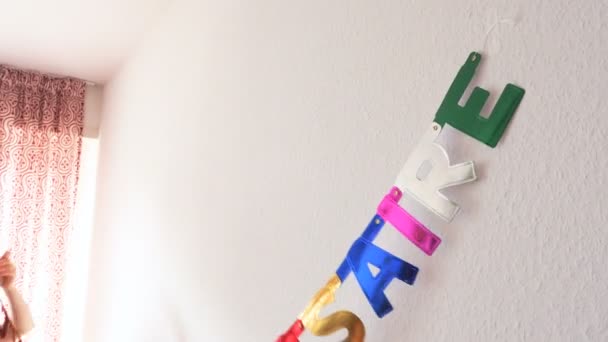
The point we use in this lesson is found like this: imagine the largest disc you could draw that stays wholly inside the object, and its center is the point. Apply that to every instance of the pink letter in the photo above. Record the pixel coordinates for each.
(391, 212)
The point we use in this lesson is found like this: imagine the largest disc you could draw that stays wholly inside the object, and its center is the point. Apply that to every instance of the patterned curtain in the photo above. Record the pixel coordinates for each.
(41, 122)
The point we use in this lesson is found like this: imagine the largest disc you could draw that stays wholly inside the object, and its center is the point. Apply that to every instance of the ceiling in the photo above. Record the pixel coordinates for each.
(88, 39)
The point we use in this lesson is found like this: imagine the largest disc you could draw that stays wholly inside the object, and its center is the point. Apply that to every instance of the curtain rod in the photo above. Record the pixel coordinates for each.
(89, 83)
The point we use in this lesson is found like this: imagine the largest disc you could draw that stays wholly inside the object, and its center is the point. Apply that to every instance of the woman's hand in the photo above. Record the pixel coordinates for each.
(21, 315)
(7, 270)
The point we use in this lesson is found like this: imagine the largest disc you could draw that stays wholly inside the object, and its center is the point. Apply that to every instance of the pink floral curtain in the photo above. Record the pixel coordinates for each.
(41, 123)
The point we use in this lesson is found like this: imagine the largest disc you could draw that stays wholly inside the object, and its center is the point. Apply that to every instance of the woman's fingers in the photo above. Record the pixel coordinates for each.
(7, 269)
(7, 274)
(5, 262)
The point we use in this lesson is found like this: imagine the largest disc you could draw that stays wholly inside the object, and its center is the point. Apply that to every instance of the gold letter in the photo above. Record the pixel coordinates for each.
(334, 322)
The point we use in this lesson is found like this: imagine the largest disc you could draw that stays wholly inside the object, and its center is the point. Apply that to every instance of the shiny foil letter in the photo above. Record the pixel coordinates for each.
(425, 187)
(362, 253)
(467, 118)
(334, 322)
(405, 223)
(293, 333)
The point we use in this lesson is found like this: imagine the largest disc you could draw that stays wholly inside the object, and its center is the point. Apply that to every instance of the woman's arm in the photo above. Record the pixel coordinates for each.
(21, 315)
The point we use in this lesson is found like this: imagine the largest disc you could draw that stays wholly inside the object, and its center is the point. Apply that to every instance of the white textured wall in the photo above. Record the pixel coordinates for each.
(245, 145)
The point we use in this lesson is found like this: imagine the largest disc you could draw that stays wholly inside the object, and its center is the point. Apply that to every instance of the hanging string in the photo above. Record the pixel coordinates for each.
(487, 35)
